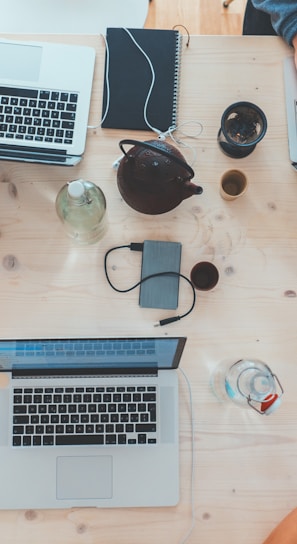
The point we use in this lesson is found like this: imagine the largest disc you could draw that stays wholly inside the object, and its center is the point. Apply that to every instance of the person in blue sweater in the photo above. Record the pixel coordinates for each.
(272, 17)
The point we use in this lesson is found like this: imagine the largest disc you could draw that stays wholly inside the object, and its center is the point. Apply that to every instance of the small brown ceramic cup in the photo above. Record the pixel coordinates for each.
(204, 276)
(233, 184)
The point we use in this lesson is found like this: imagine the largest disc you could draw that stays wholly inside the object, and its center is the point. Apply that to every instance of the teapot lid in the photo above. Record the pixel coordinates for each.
(152, 145)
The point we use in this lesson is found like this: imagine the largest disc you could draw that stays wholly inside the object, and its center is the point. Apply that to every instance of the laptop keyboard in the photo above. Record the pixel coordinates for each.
(67, 416)
(37, 115)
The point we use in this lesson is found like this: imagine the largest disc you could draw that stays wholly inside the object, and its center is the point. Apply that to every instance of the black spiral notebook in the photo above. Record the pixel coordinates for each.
(128, 78)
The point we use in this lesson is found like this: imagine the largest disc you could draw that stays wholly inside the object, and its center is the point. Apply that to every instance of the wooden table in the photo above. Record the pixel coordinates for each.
(245, 464)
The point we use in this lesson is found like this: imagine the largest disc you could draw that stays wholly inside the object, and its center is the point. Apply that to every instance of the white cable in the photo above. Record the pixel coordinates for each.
(154, 129)
(161, 135)
(189, 532)
(107, 87)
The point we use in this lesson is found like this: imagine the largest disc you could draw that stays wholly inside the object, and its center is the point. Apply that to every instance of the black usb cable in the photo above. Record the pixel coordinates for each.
(135, 246)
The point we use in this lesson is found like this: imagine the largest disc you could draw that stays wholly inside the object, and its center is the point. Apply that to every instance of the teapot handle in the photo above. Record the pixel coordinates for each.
(152, 147)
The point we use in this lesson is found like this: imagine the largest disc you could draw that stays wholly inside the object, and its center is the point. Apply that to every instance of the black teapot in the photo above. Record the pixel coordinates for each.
(153, 176)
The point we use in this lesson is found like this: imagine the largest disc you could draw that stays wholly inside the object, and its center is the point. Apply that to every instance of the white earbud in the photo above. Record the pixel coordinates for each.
(116, 163)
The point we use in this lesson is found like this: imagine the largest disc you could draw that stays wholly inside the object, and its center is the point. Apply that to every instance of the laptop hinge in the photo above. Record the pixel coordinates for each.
(83, 373)
(38, 155)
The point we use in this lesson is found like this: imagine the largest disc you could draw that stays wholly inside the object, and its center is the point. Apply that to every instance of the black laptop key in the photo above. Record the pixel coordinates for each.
(60, 429)
(69, 429)
(79, 440)
(49, 429)
(153, 411)
(67, 115)
(29, 429)
(47, 440)
(13, 91)
(145, 427)
(27, 440)
(149, 397)
(20, 420)
(44, 95)
(39, 429)
(110, 439)
(18, 429)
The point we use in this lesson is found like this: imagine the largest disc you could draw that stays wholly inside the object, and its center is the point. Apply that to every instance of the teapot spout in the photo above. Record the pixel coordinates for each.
(190, 189)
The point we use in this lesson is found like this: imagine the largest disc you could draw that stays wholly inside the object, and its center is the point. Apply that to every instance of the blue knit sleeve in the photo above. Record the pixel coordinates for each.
(283, 15)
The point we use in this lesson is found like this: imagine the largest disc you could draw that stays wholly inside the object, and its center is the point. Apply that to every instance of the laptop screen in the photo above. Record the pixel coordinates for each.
(102, 354)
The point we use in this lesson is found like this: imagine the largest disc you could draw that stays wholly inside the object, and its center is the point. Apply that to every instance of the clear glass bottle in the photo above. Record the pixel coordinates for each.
(81, 206)
(248, 383)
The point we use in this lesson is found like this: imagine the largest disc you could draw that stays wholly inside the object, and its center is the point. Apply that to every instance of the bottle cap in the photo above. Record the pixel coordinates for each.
(76, 188)
(270, 403)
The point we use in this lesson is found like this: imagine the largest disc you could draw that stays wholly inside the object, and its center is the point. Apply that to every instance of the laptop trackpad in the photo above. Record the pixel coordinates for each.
(87, 477)
(19, 61)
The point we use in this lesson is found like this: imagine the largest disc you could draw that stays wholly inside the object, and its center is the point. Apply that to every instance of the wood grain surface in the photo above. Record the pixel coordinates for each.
(245, 464)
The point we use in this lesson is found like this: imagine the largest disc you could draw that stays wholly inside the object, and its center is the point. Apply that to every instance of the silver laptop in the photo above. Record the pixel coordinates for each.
(45, 92)
(290, 80)
(89, 422)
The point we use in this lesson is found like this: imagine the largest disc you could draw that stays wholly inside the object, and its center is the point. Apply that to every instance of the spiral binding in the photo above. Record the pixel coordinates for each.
(177, 62)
